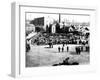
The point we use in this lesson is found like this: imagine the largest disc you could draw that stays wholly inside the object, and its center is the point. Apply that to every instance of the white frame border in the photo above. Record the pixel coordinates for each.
(16, 34)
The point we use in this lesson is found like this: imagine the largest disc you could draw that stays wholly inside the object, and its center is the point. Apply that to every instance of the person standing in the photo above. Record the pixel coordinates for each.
(62, 49)
(79, 50)
(52, 45)
(27, 47)
(67, 48)
(76, 48)
(59, 49)
(63, 44)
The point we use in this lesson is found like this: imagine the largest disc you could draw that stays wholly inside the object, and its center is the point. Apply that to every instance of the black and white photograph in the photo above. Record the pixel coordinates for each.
(57, 39)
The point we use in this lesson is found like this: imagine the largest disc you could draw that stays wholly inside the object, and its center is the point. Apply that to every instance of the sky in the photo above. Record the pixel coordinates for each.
(70, 18)
(31, 16)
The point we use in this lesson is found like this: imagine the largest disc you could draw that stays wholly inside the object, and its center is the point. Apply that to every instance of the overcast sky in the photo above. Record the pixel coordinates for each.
(75, 18)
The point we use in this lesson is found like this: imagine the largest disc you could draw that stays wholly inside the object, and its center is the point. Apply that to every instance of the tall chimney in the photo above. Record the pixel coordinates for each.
(59, 17)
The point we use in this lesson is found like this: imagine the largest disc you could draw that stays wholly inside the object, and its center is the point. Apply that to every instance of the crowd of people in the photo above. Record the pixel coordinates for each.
(46, 38)
(73, 37)
(64, 39)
